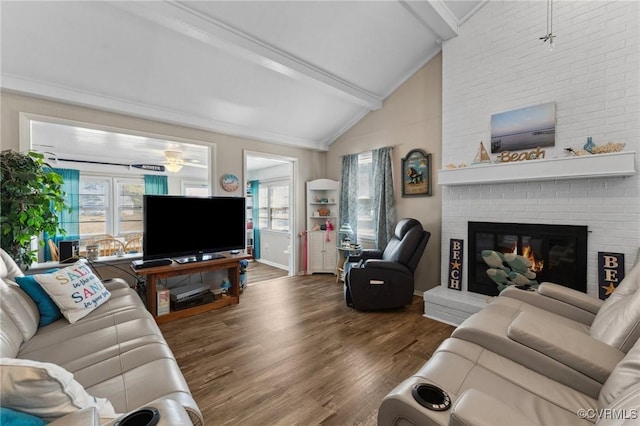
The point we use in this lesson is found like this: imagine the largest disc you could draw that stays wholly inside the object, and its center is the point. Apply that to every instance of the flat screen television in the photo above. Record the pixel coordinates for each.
(189, 229)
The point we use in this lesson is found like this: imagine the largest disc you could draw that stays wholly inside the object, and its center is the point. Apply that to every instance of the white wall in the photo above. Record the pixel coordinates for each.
(274, 248)
(282, 171)
(496, 64)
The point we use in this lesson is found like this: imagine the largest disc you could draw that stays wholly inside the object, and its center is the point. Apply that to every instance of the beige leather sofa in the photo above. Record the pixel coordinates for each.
(532, 358)
(116, 352)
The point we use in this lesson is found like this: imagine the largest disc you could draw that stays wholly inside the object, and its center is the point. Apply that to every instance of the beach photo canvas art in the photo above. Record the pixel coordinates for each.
(524, 128)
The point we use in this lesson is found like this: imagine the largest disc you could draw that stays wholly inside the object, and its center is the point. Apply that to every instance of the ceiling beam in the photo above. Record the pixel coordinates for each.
(191, 23)
(435, 15)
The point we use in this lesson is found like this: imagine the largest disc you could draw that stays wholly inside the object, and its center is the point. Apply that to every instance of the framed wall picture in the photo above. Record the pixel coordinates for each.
(524, 128)
(416, 174)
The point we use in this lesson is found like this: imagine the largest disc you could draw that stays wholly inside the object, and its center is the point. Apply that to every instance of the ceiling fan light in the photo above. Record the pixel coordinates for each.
(173, 166)
(174, 161)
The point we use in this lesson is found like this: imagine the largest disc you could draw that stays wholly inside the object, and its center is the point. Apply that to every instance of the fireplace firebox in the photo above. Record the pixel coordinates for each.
(558, 253)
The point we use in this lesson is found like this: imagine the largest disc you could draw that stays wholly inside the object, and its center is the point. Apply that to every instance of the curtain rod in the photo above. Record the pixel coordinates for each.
(386, 146)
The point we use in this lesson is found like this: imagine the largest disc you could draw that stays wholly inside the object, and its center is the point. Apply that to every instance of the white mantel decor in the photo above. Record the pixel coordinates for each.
(575, 167)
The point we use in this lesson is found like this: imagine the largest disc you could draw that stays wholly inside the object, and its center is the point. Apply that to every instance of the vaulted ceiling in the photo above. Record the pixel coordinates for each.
(288, 72)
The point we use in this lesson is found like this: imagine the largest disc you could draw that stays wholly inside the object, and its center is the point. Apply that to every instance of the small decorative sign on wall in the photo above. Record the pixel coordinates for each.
(416, 174)
(610, 272)
(230, 183)
(508, 156)
(455, 264)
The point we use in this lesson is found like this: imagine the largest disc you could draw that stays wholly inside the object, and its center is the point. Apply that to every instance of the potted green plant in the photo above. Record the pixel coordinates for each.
(30, 195)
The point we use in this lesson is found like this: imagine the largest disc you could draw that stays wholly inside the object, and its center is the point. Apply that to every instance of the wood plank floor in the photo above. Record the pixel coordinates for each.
(292, 353)
(258, 272)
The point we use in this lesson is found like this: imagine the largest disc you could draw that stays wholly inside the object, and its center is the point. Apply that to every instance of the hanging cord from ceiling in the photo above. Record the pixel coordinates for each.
(549, 36)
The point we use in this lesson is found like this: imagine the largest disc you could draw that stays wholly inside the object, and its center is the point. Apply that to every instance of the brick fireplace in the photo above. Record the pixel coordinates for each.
(598, 207)
(478, 80)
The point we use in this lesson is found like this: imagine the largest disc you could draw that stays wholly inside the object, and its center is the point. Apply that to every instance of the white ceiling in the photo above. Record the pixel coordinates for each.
(288, 72)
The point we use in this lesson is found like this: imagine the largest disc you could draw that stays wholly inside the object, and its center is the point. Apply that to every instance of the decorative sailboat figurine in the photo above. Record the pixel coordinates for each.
(482, 156)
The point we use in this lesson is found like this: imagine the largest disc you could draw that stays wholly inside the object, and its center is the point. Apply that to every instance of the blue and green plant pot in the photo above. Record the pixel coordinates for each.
(225, 285)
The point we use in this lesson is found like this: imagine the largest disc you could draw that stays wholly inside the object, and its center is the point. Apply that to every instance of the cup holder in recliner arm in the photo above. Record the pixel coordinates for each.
(431, 397)
(147, 416)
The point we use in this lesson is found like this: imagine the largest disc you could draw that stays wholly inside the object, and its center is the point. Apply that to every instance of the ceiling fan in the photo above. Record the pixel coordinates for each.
(174, 161)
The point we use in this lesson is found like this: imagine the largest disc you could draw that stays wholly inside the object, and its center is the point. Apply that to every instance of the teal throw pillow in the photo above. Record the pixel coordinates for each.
(9, 417)
(49, 311)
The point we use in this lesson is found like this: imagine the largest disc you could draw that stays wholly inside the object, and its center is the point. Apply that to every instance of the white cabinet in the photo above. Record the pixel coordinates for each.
(322, 253)
(322, 207)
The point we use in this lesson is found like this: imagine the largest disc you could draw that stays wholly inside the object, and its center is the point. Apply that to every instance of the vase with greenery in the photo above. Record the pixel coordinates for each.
(30, 194)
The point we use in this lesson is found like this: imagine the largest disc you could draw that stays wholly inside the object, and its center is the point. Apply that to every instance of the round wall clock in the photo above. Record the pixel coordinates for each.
(230, 183)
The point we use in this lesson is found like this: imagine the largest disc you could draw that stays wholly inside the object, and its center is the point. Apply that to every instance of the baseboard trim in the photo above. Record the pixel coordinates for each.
(275, 265)
(440, 320)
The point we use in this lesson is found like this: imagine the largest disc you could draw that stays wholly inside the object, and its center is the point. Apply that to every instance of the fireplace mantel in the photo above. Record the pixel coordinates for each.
(591, 166)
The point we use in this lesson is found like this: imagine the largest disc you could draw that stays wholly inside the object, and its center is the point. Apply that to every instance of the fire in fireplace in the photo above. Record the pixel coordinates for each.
(557, 253)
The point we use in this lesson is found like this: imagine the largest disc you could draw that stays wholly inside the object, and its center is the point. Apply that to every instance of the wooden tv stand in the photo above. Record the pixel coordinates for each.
(230, 262)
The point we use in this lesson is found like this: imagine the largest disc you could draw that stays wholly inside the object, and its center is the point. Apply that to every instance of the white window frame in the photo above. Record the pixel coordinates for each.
(115, 189)
(109, 202)
(365, 157)
(25, 119)
(25, 141)
(268, 185)
(112, 217)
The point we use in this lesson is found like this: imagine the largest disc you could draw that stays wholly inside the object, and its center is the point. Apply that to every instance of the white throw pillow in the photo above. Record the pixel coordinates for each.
(45, 390)
(75, 289)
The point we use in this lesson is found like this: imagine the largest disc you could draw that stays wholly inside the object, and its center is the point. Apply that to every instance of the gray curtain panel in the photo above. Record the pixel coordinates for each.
(383, 197)
(349, 193)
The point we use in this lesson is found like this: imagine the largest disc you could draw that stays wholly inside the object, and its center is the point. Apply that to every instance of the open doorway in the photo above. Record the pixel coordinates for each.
(270, 182)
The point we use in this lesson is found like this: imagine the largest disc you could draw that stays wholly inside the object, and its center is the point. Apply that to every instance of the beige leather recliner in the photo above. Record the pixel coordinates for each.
(577, 354)
(573, 304)
(521, 363)
(489, 389)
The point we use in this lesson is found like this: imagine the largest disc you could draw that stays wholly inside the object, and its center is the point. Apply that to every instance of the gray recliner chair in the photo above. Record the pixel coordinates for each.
(384, 279)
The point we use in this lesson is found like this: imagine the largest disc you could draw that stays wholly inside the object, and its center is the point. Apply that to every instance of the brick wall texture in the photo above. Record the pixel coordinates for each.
(496, 64)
